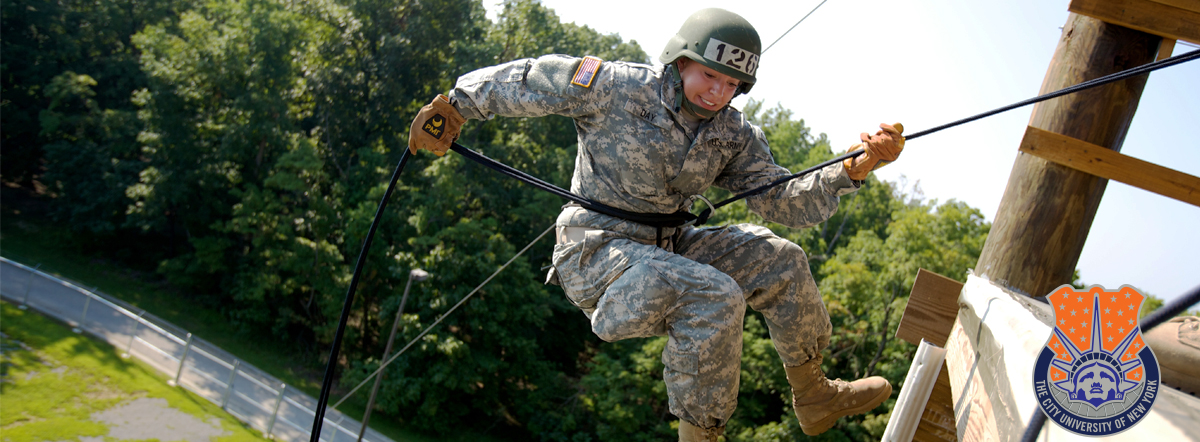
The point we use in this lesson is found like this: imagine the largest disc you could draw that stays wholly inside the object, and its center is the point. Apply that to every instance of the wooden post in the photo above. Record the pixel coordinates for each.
(1047, 209)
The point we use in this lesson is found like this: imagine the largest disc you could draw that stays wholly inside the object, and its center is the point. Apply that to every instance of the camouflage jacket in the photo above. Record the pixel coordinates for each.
(636, 152)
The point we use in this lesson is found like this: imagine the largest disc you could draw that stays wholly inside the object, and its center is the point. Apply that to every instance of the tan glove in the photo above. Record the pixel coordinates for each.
(436, 127)
(882, 148)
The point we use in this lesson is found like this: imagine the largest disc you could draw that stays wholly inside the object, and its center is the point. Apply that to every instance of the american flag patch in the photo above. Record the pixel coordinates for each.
(586, 72)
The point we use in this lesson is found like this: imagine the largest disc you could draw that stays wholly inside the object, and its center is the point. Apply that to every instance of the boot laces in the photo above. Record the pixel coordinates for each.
(846, 390)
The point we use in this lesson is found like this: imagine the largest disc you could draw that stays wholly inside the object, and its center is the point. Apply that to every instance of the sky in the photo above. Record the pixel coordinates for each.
(856, 63)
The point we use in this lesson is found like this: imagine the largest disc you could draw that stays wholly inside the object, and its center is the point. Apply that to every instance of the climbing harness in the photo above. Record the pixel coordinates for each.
(677, 219)
(650, 219)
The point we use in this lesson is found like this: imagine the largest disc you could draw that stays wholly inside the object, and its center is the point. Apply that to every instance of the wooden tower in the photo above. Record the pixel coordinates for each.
(991, 329)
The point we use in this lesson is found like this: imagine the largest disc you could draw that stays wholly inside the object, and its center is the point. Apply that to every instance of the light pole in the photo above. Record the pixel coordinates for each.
(419, 275)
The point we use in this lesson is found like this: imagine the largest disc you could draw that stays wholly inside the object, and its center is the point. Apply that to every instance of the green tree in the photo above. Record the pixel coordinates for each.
(91, 153)
(223, 104)
(512, 355)
(255, 137)
(864, 289)
(69, 128)
(42, 40)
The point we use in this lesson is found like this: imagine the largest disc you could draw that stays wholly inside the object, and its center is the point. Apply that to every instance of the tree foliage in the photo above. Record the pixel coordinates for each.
(66, 76)
(247, 143)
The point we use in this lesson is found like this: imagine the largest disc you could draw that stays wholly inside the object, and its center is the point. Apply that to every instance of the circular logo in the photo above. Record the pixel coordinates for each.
(1096, 376)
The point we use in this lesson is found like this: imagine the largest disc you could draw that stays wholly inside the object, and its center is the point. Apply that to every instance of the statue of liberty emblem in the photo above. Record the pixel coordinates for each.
(1096, 376)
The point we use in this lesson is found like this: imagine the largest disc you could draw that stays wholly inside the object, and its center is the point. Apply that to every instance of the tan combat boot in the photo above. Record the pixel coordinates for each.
(692, 433)
(820, 402)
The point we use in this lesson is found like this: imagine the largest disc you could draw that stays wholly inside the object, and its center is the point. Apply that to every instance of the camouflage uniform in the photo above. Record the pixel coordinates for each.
(637, 153)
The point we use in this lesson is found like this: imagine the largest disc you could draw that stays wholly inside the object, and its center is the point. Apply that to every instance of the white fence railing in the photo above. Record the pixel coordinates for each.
(262, 401)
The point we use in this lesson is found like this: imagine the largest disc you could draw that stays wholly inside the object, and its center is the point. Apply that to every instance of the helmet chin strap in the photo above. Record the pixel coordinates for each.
(681, 101)
(696, 109)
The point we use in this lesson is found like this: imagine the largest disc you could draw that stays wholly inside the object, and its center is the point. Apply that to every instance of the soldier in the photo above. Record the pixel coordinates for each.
(651, 140)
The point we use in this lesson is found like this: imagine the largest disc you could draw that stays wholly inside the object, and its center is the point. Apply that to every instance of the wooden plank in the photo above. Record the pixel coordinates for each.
(926, 435)
(1165, 49)
(1190, 5)
(974, 414)
(1175, 19)
(937, 423)
(927, 364)
(1105, 163)
(932, 307)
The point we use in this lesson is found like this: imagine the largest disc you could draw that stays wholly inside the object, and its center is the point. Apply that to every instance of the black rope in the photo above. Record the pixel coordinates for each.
(1163, 314)
(331, 366)
(755, 191)
(683, 217)
(794, 26)
(1035, 425)
(1118, 76)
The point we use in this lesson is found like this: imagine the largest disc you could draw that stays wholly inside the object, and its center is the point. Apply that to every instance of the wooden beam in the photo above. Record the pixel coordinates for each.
(930, 315)
(1191, 5)
(932, 307)
(1104, 163)
(1165, 49)
(975, 416)
(1047, 210)
(1174, 19)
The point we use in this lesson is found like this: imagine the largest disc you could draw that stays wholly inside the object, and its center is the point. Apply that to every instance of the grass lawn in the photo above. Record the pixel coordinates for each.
(33, 241)
(53, 381)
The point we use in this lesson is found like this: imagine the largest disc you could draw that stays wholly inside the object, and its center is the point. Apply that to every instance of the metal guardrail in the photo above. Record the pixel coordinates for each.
(258, 399)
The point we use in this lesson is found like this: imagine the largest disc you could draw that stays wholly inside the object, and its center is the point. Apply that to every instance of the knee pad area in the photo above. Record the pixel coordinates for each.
(634, 305)
(638, 302)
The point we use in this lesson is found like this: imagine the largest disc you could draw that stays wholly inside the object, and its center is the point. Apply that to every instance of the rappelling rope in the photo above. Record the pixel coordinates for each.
(1118, 76)
(331, 364)
(440, 318)
(683, 217)
(785, 33)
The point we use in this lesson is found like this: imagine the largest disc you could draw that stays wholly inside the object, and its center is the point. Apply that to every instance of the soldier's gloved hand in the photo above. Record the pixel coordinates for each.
(436, 127)
(881, 149)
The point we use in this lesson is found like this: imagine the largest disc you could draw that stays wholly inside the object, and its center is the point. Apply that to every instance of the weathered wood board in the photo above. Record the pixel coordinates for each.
(1174, 19)
(1105, 163)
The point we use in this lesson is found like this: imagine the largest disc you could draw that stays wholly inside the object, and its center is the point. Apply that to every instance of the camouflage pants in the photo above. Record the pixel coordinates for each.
(695, 290)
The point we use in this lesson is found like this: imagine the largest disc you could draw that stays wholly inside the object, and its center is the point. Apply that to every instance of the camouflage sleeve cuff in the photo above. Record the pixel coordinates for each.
(465, 111)
(837, 181)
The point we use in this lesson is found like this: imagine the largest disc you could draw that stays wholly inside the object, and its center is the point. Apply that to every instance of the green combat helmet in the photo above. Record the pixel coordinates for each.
(721, 40)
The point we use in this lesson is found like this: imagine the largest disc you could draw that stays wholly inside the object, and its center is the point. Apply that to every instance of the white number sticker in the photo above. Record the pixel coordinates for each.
(732, 56)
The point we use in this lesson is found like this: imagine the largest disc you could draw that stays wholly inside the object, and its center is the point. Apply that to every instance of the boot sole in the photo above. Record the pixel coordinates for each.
(823, 425)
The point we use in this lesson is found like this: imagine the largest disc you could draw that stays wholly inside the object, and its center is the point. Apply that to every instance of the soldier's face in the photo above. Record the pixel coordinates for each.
(706, 87)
